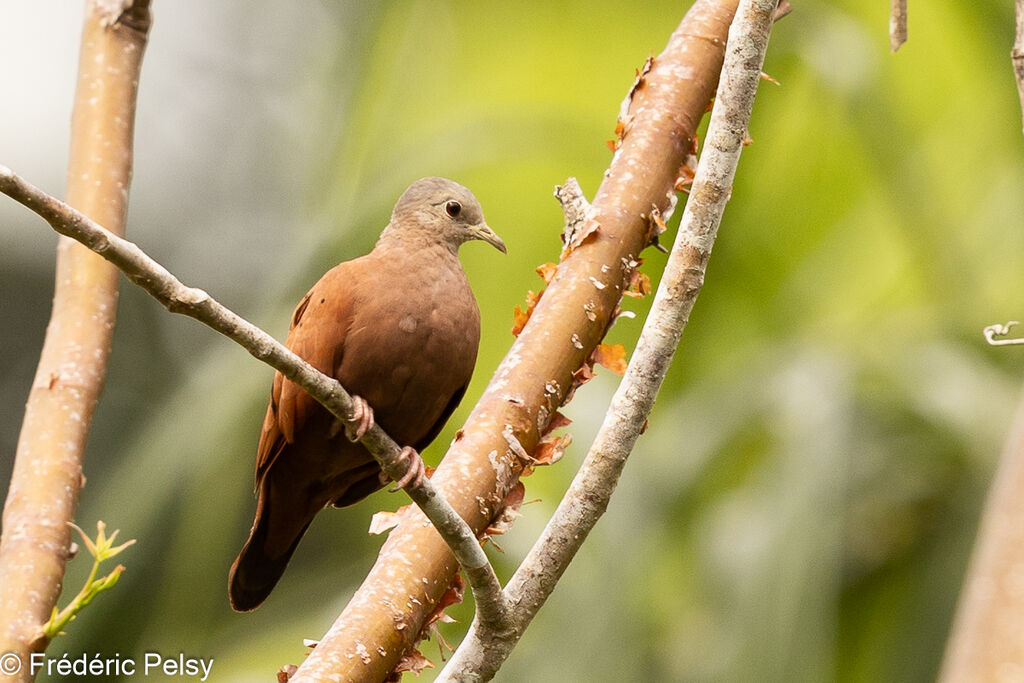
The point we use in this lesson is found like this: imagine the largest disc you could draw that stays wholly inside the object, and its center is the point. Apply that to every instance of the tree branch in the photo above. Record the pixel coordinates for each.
(1001, 330)
(897, 24)
(485, 648)
(656, 125)
(985, 641)
(47, 475)
(195, 303)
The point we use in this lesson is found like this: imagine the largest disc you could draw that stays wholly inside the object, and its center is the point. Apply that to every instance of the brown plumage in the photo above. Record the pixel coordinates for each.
(399, 328)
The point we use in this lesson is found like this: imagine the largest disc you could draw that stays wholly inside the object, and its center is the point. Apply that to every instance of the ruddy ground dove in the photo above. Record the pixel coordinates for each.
(399, 328)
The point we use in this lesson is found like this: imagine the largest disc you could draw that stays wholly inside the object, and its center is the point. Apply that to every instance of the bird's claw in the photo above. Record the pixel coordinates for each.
(362, 415)
(414, 474)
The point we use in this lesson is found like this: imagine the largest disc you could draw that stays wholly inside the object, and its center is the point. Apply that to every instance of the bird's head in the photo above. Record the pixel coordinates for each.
(446, 210)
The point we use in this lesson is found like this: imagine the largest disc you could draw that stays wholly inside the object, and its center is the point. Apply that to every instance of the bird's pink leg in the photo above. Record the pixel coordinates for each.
(415, 472)
(363, 414)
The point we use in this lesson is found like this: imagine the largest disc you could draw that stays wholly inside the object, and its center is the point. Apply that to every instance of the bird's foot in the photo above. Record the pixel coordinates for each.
(414, 474)
(362, 414)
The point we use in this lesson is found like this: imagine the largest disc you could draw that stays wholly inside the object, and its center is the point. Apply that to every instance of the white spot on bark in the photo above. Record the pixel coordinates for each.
(363, 653)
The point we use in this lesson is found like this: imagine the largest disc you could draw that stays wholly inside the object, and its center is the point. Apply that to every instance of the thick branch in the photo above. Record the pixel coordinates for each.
(47, 472)
(657, 123)
(195, 303)
(484, 648)
(985, 642)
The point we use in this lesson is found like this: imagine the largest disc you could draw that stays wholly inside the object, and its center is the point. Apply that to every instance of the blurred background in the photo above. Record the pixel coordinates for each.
(804, 503)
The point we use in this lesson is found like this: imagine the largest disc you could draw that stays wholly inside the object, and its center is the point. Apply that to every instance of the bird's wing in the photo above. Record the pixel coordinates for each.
(317, 334)
(452, 403)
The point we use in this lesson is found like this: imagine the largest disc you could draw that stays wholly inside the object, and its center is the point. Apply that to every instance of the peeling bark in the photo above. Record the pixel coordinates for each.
(487, 646)
(414, 567)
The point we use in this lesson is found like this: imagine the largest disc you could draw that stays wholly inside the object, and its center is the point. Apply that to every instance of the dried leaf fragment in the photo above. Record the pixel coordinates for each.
(452, 596)
(520, 317)
(639, 284)
(547, 271)
(413, 661)
(502, 521)
(558, 420)
(385, 521)
(611, 356)
(685, 178)
(549, 451)
(382, 521)
(584, 374)
(655, 227)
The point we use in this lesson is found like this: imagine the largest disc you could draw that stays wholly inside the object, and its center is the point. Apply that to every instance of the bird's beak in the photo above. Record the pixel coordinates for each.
(482, 231)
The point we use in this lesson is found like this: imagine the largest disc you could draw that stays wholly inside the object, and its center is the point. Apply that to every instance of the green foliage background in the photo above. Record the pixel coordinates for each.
(803, 505)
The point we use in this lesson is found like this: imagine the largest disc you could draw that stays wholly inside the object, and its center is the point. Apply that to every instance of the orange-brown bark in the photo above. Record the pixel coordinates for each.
(415, 566)
(47, 474)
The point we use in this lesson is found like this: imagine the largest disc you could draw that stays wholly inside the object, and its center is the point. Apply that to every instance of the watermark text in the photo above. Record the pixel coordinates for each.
(88, 665)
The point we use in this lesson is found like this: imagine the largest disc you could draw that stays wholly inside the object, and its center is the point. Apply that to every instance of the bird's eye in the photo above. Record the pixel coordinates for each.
(453, 208)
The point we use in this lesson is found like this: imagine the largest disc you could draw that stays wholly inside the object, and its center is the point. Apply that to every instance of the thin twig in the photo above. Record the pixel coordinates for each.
(195, 303)
(897, 24)
(782, 10)
(484, 648)
(102, 549)
(998, 330)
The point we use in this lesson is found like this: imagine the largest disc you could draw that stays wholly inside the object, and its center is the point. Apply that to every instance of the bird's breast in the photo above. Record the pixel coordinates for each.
(411, 347)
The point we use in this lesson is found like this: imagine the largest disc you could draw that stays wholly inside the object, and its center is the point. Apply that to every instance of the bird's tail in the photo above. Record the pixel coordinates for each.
(264, 557)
